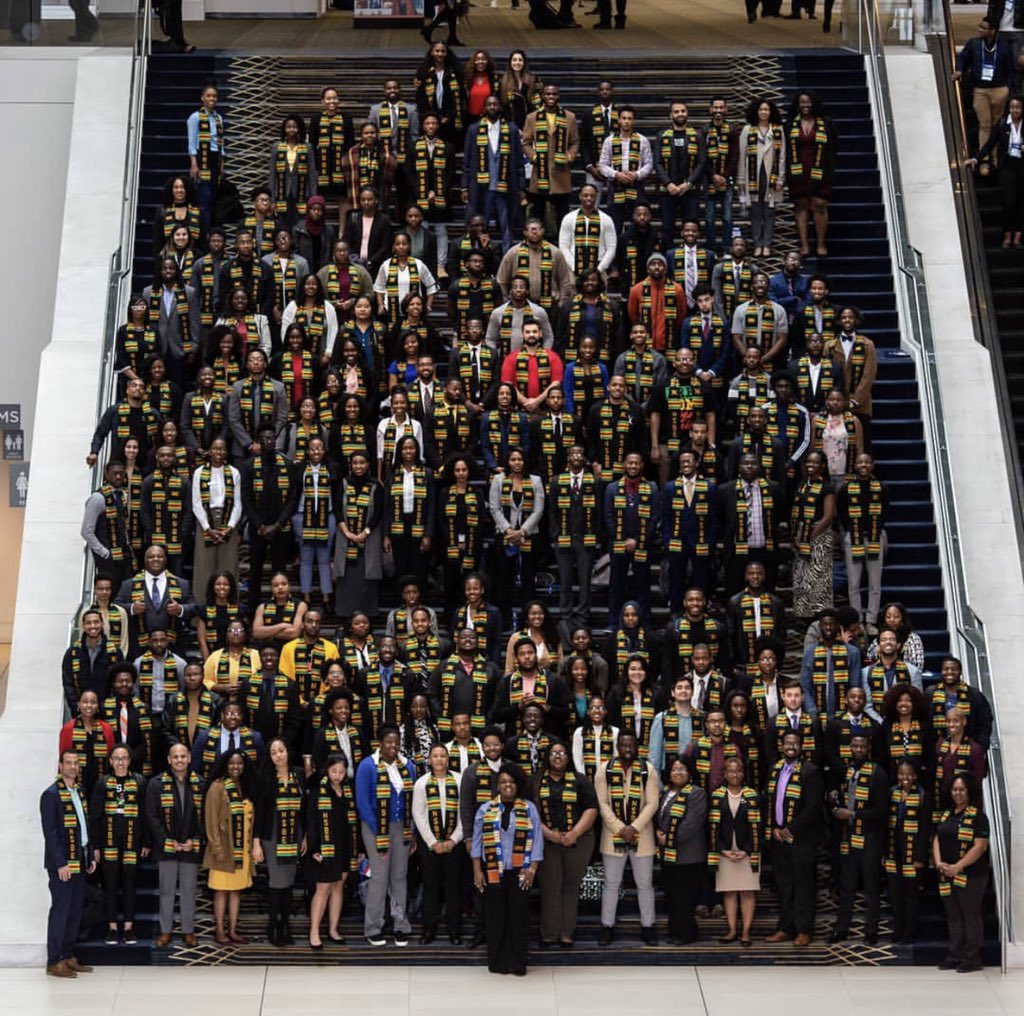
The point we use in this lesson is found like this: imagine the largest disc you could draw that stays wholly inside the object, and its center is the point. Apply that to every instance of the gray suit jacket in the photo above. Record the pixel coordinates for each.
(243, 430)
(168, 329)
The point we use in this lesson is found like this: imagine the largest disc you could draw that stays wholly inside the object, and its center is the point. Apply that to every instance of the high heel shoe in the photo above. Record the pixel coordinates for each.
(316, 947)
(726, 939)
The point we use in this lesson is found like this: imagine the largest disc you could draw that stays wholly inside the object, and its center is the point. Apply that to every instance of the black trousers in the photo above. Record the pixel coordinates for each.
(277, 549)
(604, 9)
(119, 889)
(507, 923)
(85, 22)
(795, 872)
(682, 884)
(1011, 192)
(860, 867)
(963, 915)
(513, 576)
(539, 202)
(409, 559)
(65, 917)
(441, 876)
(904, 898)
(575, 563)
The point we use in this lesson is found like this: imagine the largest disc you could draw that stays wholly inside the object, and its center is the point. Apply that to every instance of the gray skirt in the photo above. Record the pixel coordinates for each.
(280, 874)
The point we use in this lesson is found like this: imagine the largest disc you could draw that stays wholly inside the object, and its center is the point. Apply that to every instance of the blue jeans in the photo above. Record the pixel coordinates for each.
(206, 191)
(496, 207)
(318, 553)
(718, 204)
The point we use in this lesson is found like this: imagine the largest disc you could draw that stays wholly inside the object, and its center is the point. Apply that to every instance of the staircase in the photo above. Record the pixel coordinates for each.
(256, 92)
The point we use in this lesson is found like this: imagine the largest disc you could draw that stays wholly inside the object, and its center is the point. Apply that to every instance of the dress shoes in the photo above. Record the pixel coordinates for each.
(60, 969)
(778, 936)
(969, 968)
(648, 936)
(428, 936)
(802, 940)
(162, 940)
(476, 939)
(606, 935)
(73, 963)
(189, 939)
(836, 935)
(949, 964)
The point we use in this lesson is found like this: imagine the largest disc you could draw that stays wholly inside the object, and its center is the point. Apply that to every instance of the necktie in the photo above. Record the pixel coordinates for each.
(558, 430)
(428, 399)
(257, 394)
(794, 723)
(232, 743)
(707, 328)
(699, 697)
(575, 486)
(156, 592)
(691, 271)
(475, 379)
(123, 722)
(607, 117)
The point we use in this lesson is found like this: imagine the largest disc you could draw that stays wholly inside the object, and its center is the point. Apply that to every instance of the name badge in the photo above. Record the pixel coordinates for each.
(987, 71)
(679, 142)
(1015, 150)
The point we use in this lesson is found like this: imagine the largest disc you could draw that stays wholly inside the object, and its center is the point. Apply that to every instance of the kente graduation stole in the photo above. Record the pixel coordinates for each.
(211, 750)
(599, 130)
(807, 507)
(965, 821)
(442, 826)
(123, 804)
(877, 683)
(549, 153)
(314, 321)
(625, 159)
(847, 729)
(939, 704)
(676, 814)
(717, 141)
(526, 505)
(626, 798)
(906, 744)
(897, 861)
(204, 716)
(82, 739)
(491, 433)
(784, 424)
(330, 150)
(644, 506)
(828, 324)
(229, 496)
(462, 518)
(473, 754)
(274, 612)
(671, 312)
(265, 244)
(667, 144)
(156, 299)
(749, 623)
(451, 430)
(563, 505)
(625, 648)
(944, 750)
(516, 693)
(795, 166)
(570, 799)
(464, 287)
(415, 525)
(301, 171)
(226, 371)
(395, 135)
(245, 401)
(793, 791)
(522, 841)
(70, 817)
(852, 836)
(139, 344)
(685, 400)
(205, 139)
(865, 509)
(145, 682)
(356, 506)
(236, 810)
(167, 793)
(384, 789)
(287, 815)
(394, 308)
(395, 697)
(350, 655)
(638, 369)
(483, 175)
(587, 386)
(733, 295)
(717, 806)
(278, 698)
(546, 298)
(701, 508)
(840, 677)
(431, 173)
(452, 668)
(586, 240)
(670, 726)
(629, 711)
(139, 596)
(316, 507)
(167, 498)
(553, 451)
(543, 362)
(117, 523)
(759, 325)
(753, 176)
(575, 323)
(682, 632)
(591, 742)
(614, 424)
(806, 724)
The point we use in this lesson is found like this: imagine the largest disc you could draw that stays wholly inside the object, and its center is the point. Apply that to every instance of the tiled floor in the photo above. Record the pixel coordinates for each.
(546, 991)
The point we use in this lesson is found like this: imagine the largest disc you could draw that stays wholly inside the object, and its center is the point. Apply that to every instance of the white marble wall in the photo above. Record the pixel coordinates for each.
(982, 493)
(51, 572)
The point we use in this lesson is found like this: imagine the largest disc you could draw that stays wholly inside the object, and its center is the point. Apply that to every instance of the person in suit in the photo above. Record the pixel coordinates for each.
(855, 364)
(595, 125)
(272, 700)
(68, 858)
(178, 323)
(251, 401)
(906, 850)
(551, 142)
(1005, 140)
(105, 524)
(398, 125)
(789, 289)
(795, 795)
(156, 599)
(368, 232)
(680, 161)
(753, 612)
(860, 805)
(748, 513)
(86, 664)
(465, 682)
(131, 417)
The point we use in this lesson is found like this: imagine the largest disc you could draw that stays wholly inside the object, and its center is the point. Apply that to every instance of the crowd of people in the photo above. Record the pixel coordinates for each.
(427, 711)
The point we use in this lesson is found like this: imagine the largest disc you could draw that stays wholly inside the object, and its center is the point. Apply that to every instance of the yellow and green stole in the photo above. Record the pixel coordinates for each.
(667, 143)
(901, 862)
(629, 711)
(523, 369)
(81, 739)
(301, 171)
(807, 504)
(236, 810)
(384, 788)
(807, 730)
(753, 176)
(965, 840)
(274, 612)
(840, 677)
(357, 509)
(325, 806)
(204, 716)
(332, 290)
(939, 707)
(717, 805)
(473, 754)
(395, 135)
(575, 321)
(442, 828)
(452, 668)
(515, 686)
(246, 745)
(685, 400)
(615, 424)
(156, 299)
(316, 510)
(563, 505)
(626, 799)
(278, 702)
(289, 378)
(483, 176)
(396, 693)
(139, 344)
(330, 150)
(394, 308)
(464, 287)
(245, 399)
(110, 512)
(128, 808)
(167, 498)
(733, 295)
(943, 750)
(205, 139)
(145, 682)
(876, 681)
(522, 842)
(287, 815)
(638, 371)
(828, 325)
(671, 310)
(676, 814)
(865, 507)
(682, 632)
(431, 174)
(549, 153)
(625, 159)
(526, 508)
(852, 836)
(670, 726)
(599, 130)
(623, 650)
(416, 528)
(909, 745)
(796, 167)
(749, 625)
(549, 450)
(70, 817)
(204, 494)
(265, 244)
(451, 430)
(643, 510)
(167, 805)
(546, 297)
(570, 800)
(792, 799)
(462, 516)
(846, 732)
(586, 240)
(717, 141)
(590, 746)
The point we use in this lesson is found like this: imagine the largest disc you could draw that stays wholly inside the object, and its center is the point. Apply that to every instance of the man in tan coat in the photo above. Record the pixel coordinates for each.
(543, 265)
(551, 142)
(627, 794)
(854, 360)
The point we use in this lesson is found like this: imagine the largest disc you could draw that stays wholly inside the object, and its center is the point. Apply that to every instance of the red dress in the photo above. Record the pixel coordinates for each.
(803, 186)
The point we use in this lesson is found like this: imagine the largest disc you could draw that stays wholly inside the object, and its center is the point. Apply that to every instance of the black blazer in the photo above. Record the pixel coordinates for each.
(156, 617)
(726, 509)
(266, 804)
(740, 826)
(808, 818)
(379, 247)
(187, 824)
(55, 840)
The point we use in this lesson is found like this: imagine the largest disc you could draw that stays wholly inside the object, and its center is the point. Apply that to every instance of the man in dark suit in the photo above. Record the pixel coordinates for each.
(459, 693)
(174, 819)
(768, 616)
(273, 704)
(377, 247)
(178, 326)
(87, 663)
(246, 271)
(268, 512)
(268, 400)
(863, 825)
(107, 537)
(748, 534)
(67, 859)
(794, 829)
(147, 597)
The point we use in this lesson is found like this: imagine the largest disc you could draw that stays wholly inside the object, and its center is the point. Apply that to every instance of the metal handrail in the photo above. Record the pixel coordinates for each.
(119, 281)
(966, 630)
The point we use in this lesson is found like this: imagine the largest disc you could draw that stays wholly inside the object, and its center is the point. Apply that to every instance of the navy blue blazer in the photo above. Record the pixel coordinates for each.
(55, 838)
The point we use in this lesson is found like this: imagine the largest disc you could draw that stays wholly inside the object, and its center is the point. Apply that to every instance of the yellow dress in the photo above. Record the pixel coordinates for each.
(240, 878)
